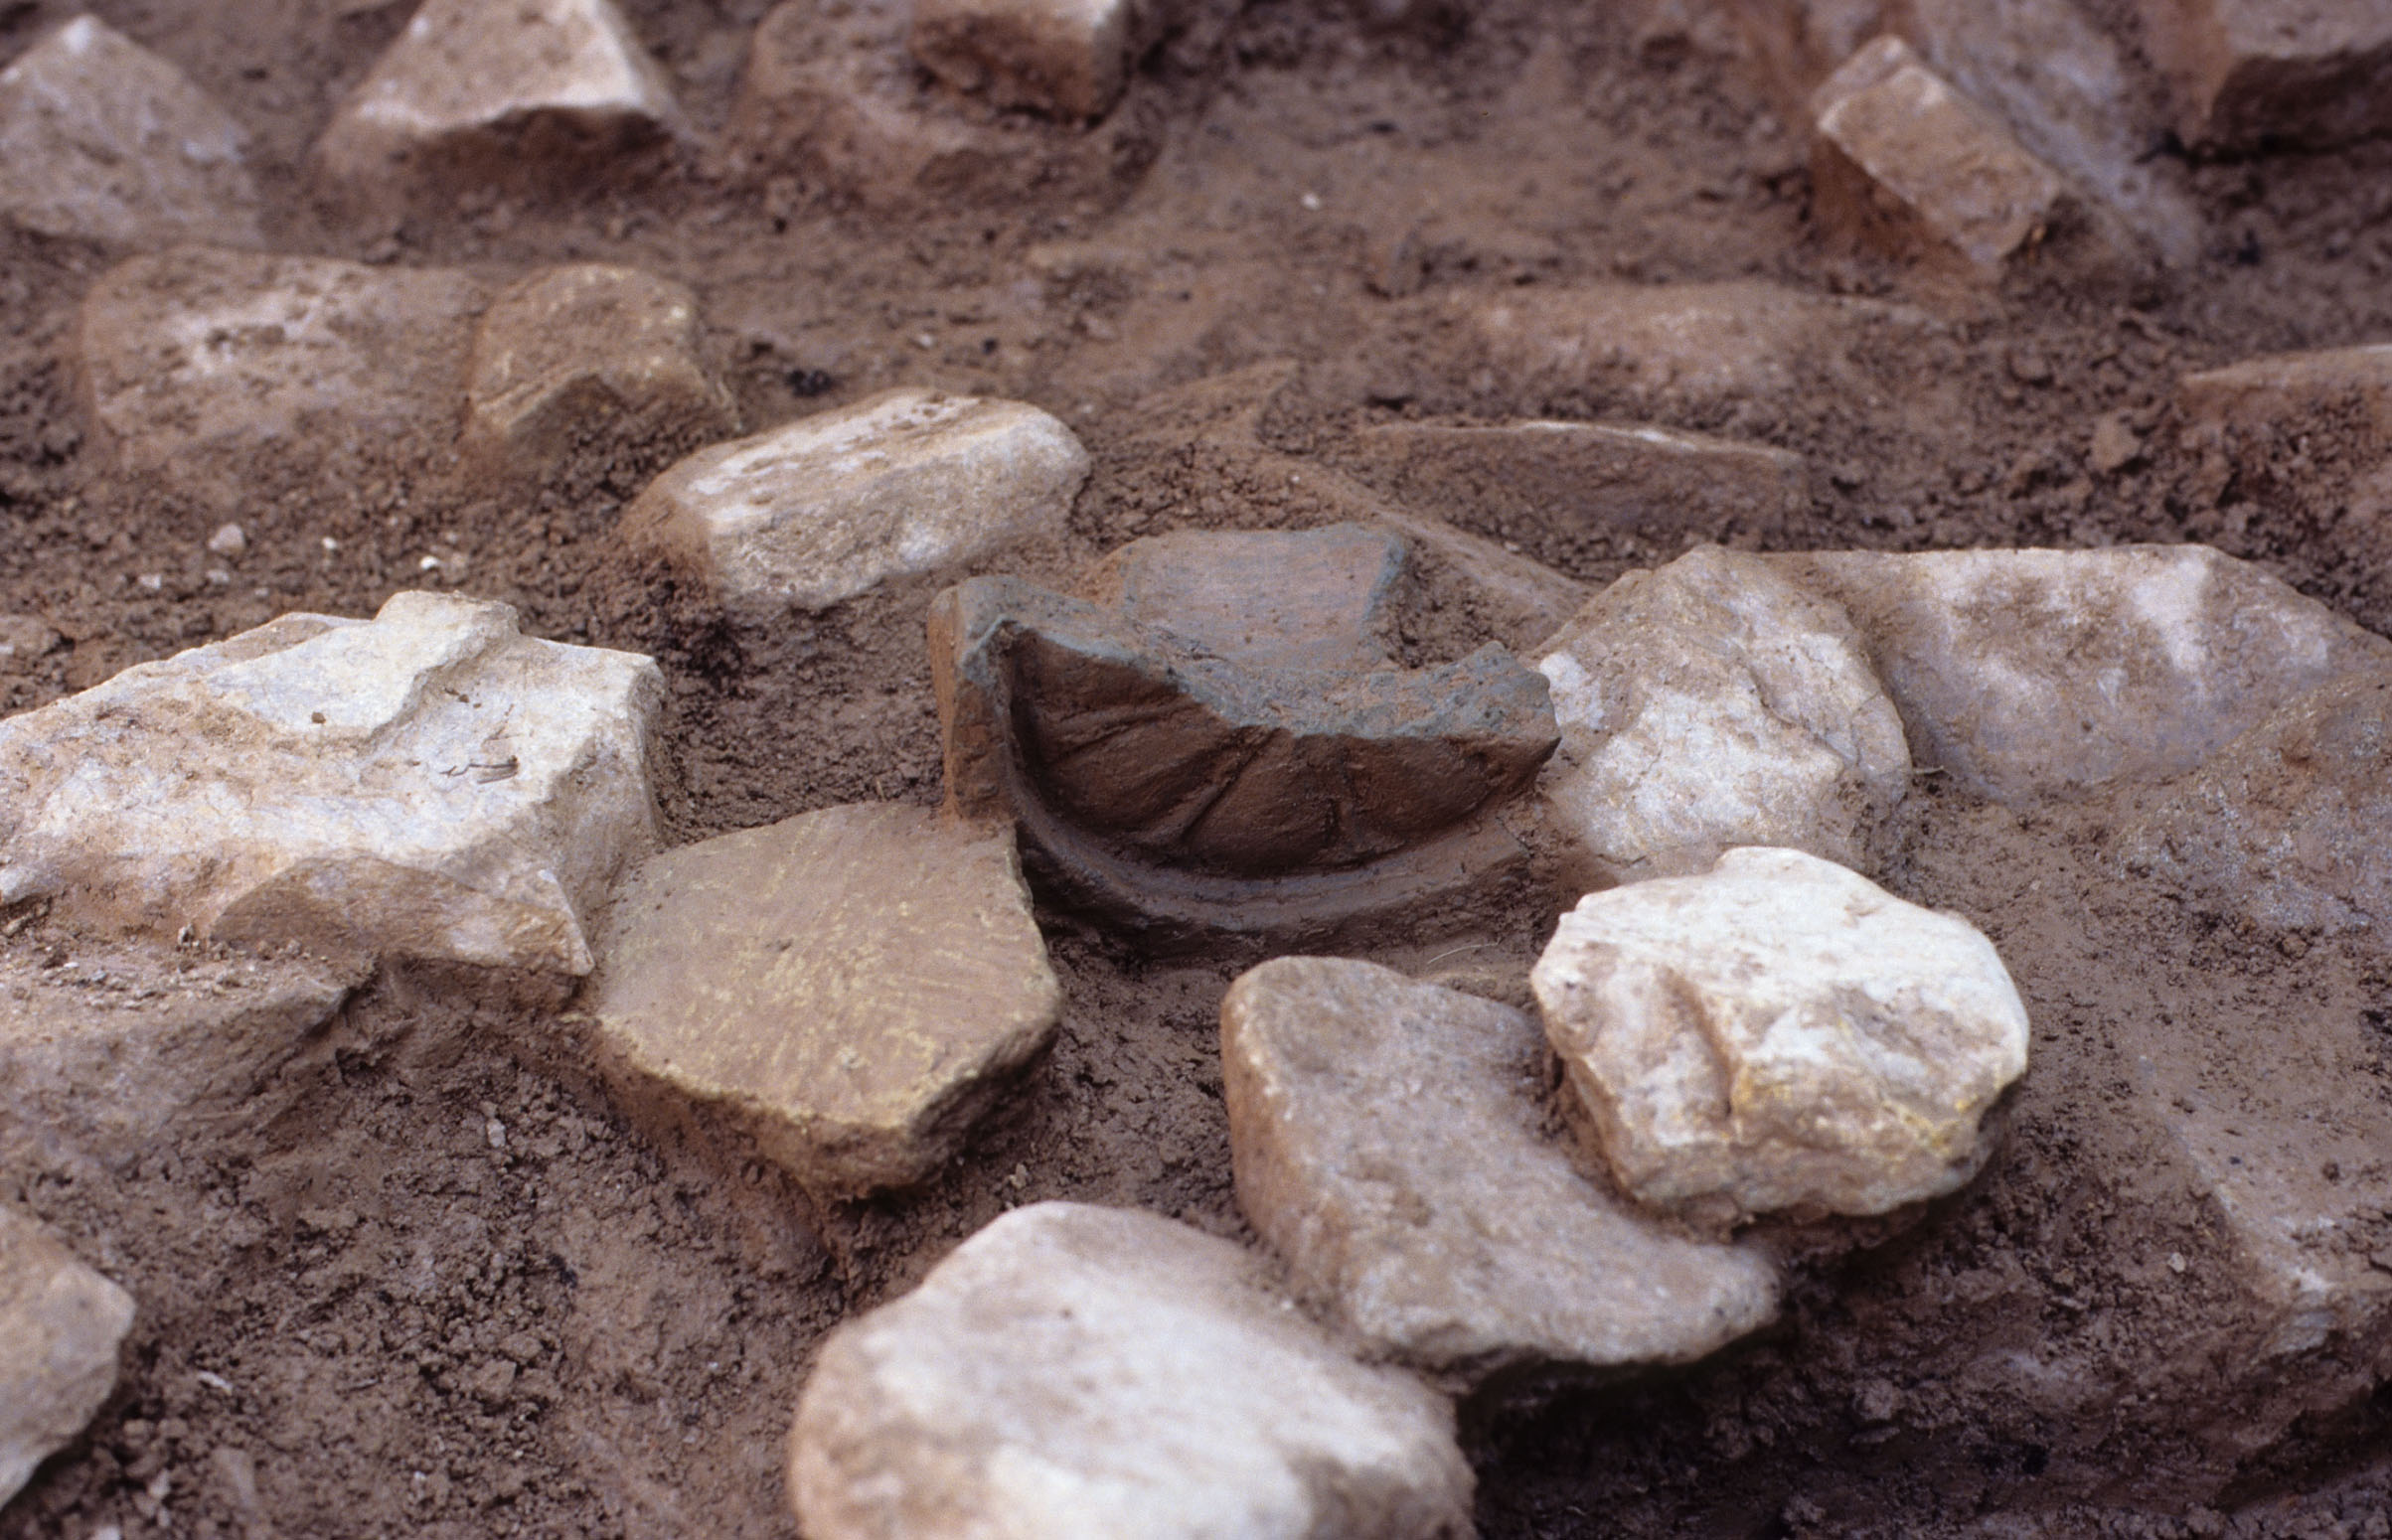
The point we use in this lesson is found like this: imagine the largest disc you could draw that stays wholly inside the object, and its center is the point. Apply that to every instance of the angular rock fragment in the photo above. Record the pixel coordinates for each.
(1779, 1034)
(430, 784)
(1457, 1237)
(2249, 73)
(1714, 704)
(1529, 479)
(2288, 390)
(1223, 775)
(590, 354)
(823, 509)
(1080, 1372)
(1908, 164)
(2284, 825)
(221, 374)
(850, 989)
(1064, 58)
(102, 140)
(60, 1324)
(2033, 674)
(502, 95)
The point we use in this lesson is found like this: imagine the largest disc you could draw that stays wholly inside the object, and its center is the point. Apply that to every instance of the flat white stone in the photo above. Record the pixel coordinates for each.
(1082, 1373)
(60, 1324)
(1457, 1236)
(829, 506)
(100, 139)
(1779, 1034)
(430, 784)
(1713, 704)
(1064, 57)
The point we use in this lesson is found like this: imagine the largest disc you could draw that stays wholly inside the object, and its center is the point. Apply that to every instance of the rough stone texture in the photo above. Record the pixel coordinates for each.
(220, 372)
(1585, 476)
(1456, 1236)
(2283, 389)
(1714, 704)
(823, 509)
(1167, 779)
(589, 352)
(510, 94)
(60, 1327)
(430, 784)
(1904, 162)
(2248, 73)
(100, 139)
(1779, 1034)
(2284, 825)
(1080, 1373)
(2033, 674)
(1318, 599)
(850, 989)
(834, 97)
(1064, 58)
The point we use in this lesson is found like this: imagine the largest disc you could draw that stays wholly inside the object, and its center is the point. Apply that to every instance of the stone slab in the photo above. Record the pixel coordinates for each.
(2248, 74)
(60, 1324)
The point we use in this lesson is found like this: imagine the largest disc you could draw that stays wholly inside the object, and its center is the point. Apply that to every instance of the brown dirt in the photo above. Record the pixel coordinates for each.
(360, 1318)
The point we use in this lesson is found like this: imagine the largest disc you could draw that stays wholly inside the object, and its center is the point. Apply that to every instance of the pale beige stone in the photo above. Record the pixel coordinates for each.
(1779, 1034)
(2285, 392)
(430, 784)
(503, 93)
(586, 355)
(829, 506)
(1457, 1236)
(851, 988)
(2248, 73)
(60, 1324)
(2034, 674)
(100, 139)
(1082, 1373)
(1064, 58)
(1714, 704)
(1905, 162)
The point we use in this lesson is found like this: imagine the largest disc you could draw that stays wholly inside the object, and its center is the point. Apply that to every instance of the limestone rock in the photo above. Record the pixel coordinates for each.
(222, 373)
(1779, 1034)
(1714, 704)
(1167, 779)
(60, 1327)
(2285, 390)
(1906, 163)
(2284, 825)
(823, 509)
(850, 989)
(2033, 674)
(1064, 58)
(591, 353)
(1456, 1236)
(507, 94)
(430, 784)
(102, 140)
(1080, 1373)
(2248, 73)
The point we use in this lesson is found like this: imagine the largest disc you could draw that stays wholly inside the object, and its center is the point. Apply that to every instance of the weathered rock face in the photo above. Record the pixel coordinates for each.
(1714, 704)
(1064, 58)
(2033, 674)
(1456, 1236)
(1077, 1373)
(1779, 1034)
(213, 371)
(430, 784)
(828, 506)
(60, 1327)
(591, 353)
(100, 139)
(2283, 389)
(2250, 72)
(2284, 825)
(850, 989)
(1230, 774)
(497, 93)
(1531, 478)
(1908, 164)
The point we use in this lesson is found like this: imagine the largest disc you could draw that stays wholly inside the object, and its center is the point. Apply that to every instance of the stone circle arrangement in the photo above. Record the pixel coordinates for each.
(1737, 1052)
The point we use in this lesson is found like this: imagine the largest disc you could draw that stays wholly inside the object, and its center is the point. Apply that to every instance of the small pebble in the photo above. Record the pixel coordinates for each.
(228, 540)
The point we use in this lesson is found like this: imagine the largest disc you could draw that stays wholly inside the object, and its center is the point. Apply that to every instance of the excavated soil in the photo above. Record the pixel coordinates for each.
(438, 1287)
